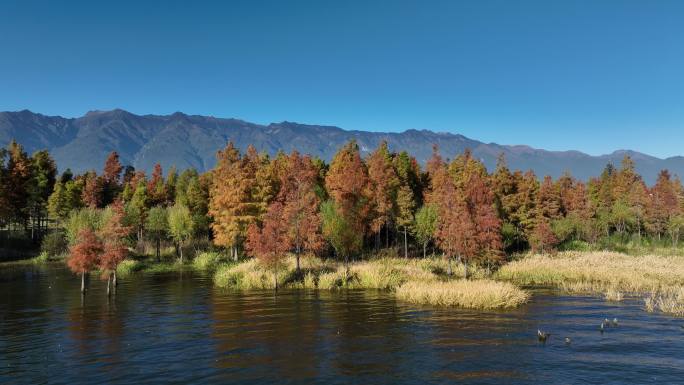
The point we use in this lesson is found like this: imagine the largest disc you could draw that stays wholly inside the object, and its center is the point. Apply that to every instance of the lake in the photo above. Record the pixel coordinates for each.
(179, 328)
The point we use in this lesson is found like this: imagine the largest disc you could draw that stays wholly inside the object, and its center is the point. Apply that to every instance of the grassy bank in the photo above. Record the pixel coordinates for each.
(422, 281)
(658, 279)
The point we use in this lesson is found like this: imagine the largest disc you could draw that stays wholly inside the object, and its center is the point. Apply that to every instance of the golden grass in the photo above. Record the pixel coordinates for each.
(597, 271)
(658, 277)
(414, 280)
(474, 294)
(670, 301)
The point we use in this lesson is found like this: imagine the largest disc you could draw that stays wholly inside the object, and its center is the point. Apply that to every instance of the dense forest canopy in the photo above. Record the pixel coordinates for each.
(261, 206)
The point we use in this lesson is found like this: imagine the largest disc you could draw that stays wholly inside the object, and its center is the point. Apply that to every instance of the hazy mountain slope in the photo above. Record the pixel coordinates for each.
(192, 141)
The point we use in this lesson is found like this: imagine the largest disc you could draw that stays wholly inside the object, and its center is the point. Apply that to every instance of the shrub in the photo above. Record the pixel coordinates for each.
(54, 243)
(129, 266)
(208, 260)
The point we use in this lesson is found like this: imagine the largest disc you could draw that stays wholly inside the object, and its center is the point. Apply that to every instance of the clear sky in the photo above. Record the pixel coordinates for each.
(595, 75)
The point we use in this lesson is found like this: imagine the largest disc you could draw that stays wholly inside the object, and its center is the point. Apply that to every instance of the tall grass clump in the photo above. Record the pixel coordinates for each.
(473, 294)
(670, 301)
(208, 260)
(129, 266)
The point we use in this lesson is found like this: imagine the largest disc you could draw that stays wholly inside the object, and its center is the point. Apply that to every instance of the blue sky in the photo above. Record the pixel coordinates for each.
(589, 75)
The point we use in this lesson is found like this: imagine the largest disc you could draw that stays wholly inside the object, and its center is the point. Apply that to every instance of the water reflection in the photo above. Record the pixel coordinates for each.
(179, 328)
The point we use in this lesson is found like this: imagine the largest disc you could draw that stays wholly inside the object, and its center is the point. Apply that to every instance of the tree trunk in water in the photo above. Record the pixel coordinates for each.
(275, 280)
(180, 247)
(83, 282)
(115, 281)
(109, 284)
(405, 244)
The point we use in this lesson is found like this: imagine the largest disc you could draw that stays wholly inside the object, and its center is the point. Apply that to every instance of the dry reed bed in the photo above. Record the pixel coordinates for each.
(474, 294)
(611, 274)
(424, 276)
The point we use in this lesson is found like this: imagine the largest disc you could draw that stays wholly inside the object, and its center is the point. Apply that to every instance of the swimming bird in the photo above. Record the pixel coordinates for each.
(602, 328)
(614, 323)
(542, 336)
(606, 322)
(567, 340)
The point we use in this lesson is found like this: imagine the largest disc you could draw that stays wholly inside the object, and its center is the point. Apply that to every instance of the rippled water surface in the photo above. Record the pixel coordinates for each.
(179, 328)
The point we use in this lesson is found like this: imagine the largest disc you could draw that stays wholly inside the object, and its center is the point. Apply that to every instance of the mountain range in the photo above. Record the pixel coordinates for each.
(185, 141)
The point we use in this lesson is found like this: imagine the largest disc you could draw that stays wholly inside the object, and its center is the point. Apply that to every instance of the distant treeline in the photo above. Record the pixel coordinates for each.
(264, 206)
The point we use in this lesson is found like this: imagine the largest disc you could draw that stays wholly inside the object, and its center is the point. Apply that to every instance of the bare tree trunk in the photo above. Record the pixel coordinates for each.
(115, 280)
(449, 271)
(275, 280)
(158, 249)
(109, 281)
(83, 289)
(180, 247)
(424, 249)
(405, 244)
(297, 257)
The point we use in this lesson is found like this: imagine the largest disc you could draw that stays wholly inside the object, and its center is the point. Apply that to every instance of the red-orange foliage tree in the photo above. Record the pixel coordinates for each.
(85, 254)
(383, 185)
(114, 234)
(111, 177)
(300, 203)
(156, 189)
(270, 242)
(347, 184)
(542, 238)
(93, 190)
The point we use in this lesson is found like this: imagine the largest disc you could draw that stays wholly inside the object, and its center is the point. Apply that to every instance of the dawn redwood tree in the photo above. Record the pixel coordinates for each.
(85, 254)
(453, 230)
(93, 190)
(137, 208)
(405, 208)
(425, 225)
(482, 210)
(44, 174)
(542, 238)
(157, 226)
(270, 242)
(156, 188)
(348, 186)
(114, 234)
(180, 226)
(240, 192)
(111, 176)
(341, 234)
(300, 205)
(382, 189)
(18, 178)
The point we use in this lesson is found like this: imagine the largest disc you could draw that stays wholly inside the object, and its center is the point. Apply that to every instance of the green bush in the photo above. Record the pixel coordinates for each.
(54, 243)
(208, 260)
(43, 257)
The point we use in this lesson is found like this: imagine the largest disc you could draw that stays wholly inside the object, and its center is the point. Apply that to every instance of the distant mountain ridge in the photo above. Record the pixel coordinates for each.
(192, 141)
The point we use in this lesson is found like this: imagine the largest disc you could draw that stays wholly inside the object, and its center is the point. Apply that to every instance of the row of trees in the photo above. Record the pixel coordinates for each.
(265, 207)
